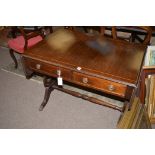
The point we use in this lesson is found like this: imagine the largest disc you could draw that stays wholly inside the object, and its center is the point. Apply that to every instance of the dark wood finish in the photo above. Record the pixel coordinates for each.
(134, 32)
(27, 35)
(48, 69)
(100, 84)
(47, 28)
(110, 71)
(91, 99)
(24, 30)
(102, 30)
(28, 72)
(145, 74)
(48, 83)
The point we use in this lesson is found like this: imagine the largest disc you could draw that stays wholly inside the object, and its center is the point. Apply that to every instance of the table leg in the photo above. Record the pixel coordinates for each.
(129, 96)
(28, 72)
(48, 83)
(143, 88)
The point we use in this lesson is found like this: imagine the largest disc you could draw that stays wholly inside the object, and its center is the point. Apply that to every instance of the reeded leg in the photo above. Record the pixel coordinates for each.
(13, 57)
(48, 83)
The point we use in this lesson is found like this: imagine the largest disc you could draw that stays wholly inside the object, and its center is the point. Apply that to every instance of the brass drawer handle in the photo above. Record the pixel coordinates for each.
(85, 80)
(38, 66)
(111, 87)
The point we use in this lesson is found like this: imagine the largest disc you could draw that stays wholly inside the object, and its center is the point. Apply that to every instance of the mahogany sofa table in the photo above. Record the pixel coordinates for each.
(113, 69)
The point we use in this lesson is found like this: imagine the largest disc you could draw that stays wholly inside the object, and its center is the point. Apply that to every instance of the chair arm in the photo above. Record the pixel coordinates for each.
(33, 34)
(30, 35)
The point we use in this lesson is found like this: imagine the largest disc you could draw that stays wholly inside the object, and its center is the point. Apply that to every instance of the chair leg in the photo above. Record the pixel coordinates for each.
(13, 57)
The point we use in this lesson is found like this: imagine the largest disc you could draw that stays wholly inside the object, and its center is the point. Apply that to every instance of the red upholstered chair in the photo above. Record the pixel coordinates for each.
(23, 41)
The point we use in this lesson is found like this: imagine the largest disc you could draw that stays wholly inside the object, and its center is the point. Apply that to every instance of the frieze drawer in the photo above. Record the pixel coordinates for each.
(100, 84)
(49, 69)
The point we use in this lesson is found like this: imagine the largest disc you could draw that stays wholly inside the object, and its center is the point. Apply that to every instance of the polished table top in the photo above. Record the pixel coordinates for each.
(98, 56)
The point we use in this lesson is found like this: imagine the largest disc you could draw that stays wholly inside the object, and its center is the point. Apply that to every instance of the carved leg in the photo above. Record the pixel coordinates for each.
(48, 83)
(13, 57)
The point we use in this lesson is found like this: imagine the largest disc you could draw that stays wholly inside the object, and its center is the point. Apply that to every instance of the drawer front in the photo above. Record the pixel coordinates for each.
(100, 84)
(49, 69)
